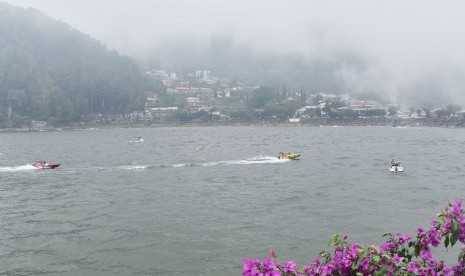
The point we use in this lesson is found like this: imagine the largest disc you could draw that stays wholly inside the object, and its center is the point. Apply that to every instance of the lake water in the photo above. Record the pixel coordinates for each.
(197, 200)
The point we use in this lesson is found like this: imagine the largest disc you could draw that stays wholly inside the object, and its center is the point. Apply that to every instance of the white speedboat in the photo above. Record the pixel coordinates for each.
(396, 167)
(139, 139)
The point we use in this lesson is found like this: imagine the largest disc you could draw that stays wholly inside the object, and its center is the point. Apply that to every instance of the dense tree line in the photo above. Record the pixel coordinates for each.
(52, 72)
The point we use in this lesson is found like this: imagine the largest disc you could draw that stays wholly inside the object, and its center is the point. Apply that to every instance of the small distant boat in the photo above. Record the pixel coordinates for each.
(46, 165)
(288, 155)
(139, 139)
(396, 167)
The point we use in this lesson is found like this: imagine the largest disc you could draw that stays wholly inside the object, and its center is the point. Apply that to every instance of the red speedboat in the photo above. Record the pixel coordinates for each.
(46, 165)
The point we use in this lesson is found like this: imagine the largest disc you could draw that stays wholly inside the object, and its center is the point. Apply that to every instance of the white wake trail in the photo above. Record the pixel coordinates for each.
(18, 168)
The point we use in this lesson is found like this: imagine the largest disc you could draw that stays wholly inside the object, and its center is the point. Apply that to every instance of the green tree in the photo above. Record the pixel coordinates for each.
(281, 112)
(452, 109)
(262, 96)
(349, 113)
(427, 112)
(375, 113)
(284, 92)
(392, 110)
(16, 98)
(303, 97)
(57, 72)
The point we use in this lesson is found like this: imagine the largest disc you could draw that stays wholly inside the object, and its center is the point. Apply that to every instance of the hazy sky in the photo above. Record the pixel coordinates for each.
(407, 38)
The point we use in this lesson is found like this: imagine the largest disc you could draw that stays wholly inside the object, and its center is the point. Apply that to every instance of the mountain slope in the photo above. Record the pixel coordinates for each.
(52, 72)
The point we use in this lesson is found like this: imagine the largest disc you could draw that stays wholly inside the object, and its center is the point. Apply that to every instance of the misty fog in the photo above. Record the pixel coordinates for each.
(396, 50)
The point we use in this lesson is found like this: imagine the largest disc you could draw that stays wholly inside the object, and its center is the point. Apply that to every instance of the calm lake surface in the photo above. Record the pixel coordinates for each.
(198, 200)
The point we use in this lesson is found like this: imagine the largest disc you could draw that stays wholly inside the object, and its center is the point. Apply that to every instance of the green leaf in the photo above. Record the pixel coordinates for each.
(417, 249)
(362, 254)
(446, 241)
(381, 272)
(354, 266)
(335, 240)
(455, 232)
(454, 225)
(441, 219)
(453, 239)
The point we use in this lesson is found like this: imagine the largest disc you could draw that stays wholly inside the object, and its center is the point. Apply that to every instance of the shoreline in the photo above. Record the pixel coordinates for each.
(313, 122)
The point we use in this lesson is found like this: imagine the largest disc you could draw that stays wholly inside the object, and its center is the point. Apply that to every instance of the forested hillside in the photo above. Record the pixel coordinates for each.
(52, 72)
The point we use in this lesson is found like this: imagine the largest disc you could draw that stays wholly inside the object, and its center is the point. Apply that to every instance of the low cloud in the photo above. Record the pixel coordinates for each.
(401, 51)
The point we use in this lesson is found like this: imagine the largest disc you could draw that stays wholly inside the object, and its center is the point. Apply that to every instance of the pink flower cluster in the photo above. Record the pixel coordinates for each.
(399, 255)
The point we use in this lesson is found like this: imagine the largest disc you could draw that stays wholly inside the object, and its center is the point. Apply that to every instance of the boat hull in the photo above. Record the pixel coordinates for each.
(289, 155)
(51, 165)
(293, 156)
(396, 169)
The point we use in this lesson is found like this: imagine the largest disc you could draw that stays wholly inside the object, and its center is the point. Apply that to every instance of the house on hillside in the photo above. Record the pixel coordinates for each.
(193, 105)
(160, 113)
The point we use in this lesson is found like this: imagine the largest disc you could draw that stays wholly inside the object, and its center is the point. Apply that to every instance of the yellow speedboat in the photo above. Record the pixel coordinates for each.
(288, 155)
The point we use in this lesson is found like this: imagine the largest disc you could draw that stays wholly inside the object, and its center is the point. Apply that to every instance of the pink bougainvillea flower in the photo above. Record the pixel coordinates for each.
(397, 256)
(290, 267)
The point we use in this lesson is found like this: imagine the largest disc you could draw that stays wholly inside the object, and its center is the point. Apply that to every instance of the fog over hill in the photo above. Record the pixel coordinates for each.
(52, 72)
(400, 51)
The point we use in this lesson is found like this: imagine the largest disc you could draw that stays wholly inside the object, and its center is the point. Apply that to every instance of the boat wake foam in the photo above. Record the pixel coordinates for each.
(18, 168)
(136, 167)
(249, 161)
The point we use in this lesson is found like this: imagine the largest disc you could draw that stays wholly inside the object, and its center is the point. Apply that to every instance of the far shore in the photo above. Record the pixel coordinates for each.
(313, 122)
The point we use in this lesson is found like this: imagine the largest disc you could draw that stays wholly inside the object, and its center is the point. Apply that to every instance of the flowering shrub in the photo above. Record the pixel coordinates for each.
(399, 255)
